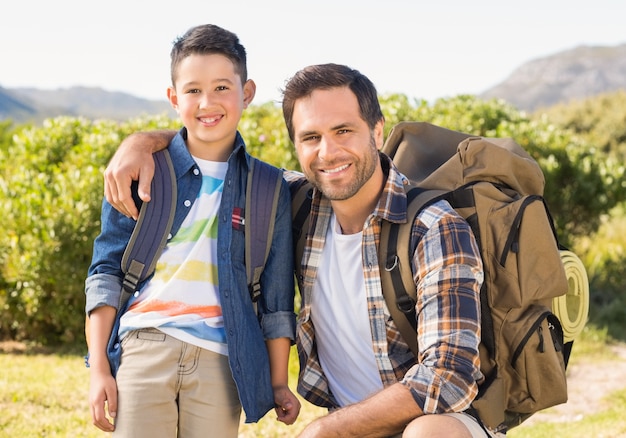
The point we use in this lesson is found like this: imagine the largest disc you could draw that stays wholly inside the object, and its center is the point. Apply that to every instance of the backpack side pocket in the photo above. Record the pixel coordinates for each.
(536, 364)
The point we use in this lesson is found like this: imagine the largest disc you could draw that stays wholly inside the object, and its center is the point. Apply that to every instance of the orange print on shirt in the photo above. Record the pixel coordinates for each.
(174, 308)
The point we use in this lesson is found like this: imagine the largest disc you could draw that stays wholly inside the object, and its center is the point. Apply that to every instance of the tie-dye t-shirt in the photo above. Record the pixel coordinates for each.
(182, 298)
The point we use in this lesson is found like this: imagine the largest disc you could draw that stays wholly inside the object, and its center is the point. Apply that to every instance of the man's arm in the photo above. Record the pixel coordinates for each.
(133, 161)
(384, 414)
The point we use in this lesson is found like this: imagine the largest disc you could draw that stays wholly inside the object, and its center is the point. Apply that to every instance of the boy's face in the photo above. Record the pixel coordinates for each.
(337, 151)
(209, 98)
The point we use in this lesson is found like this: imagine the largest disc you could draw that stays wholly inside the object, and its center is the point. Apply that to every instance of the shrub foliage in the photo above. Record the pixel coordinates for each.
(51, 189)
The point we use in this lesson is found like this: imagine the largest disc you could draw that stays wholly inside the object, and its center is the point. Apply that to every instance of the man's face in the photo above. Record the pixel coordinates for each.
(337, 150)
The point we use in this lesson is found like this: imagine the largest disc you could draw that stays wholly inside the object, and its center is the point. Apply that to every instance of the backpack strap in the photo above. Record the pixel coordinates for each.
(152, 228)
(262, 190)
(301, 198)
(147, 240)
(394, 262)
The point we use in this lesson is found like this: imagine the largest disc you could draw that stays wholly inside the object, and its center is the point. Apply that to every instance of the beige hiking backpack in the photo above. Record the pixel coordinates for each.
(498, 188)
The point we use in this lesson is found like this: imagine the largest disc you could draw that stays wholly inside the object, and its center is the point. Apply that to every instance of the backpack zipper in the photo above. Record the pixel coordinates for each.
(536, 327)
(512, 243)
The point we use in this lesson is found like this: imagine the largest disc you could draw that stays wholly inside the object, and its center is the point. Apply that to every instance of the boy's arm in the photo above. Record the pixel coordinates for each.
(287, 404)
(102, 387)
(133, 161)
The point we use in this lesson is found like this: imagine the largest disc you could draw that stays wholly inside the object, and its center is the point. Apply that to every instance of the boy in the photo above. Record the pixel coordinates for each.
(194, 352)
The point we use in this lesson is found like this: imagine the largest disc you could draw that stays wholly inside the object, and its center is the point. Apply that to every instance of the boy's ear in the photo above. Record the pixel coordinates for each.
(172, 97)
(249, 90)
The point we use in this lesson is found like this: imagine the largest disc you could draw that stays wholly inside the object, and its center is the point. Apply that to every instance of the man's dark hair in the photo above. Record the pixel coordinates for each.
(327, 76)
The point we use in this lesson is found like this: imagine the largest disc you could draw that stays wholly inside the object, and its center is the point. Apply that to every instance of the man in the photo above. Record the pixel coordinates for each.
(352, 357)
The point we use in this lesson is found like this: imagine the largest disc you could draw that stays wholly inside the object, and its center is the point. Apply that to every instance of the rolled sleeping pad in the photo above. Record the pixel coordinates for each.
(572, 309)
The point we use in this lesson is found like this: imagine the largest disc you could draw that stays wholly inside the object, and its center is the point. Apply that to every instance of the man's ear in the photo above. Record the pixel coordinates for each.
(249, 90)
(379, 133)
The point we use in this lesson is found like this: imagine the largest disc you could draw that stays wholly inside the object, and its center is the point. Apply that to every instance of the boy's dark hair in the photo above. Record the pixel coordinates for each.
(208, 39)
(327, 76)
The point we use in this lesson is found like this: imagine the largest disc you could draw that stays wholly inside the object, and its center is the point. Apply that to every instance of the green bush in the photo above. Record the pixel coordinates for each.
(51, 190)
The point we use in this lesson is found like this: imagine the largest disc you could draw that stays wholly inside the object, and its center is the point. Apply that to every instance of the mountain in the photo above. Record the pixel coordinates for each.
(33, 105)
(575, 74)
(14, 106)
(578, 73)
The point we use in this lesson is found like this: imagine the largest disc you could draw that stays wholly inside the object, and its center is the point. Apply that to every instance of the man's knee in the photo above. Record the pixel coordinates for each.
(435, 426)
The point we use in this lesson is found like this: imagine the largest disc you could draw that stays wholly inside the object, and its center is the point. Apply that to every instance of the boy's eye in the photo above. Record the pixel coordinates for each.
(193, 91)
(221, 88)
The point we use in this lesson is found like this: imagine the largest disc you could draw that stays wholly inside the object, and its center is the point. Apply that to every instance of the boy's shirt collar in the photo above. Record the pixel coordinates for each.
(183, 160)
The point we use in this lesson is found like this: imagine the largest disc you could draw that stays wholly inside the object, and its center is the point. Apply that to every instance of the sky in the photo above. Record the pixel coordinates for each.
(425, 49)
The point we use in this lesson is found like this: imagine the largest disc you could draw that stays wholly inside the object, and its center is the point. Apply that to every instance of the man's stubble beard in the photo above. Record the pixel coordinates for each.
(365, 168)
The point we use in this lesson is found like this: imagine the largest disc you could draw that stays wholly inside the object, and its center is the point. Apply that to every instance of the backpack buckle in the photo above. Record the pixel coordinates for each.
(255, 292)
(392, 263)
(405, 304)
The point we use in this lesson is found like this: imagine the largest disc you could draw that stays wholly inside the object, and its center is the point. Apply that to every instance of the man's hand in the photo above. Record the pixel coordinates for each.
(133, 162)
(287, 405)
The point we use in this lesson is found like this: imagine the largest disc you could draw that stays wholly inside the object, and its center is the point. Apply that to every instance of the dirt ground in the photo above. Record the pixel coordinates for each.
(588, 384)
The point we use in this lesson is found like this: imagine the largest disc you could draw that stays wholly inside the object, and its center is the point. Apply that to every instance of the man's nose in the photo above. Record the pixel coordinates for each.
(328, 148)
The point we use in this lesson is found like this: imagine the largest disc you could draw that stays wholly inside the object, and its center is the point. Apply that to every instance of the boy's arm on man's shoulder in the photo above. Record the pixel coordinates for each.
(133, 162)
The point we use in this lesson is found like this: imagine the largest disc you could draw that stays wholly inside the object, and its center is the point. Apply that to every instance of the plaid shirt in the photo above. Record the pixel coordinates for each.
(448, 272)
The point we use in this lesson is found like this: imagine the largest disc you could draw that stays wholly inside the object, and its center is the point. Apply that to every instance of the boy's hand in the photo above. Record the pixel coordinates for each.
(287, 405)
(103, 400)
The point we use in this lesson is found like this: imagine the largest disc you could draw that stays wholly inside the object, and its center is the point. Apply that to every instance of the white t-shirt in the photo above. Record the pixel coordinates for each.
(182, 298)
(340, 316)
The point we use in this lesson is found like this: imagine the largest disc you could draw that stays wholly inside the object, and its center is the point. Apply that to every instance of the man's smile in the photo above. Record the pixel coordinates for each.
(335, 169)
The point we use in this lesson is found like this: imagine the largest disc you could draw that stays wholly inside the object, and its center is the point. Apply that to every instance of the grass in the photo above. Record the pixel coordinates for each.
(607, 424)
(44, 394)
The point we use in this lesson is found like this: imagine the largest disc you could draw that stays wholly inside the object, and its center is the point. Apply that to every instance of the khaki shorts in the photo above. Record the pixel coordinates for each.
(166, 386)
(472, 425)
